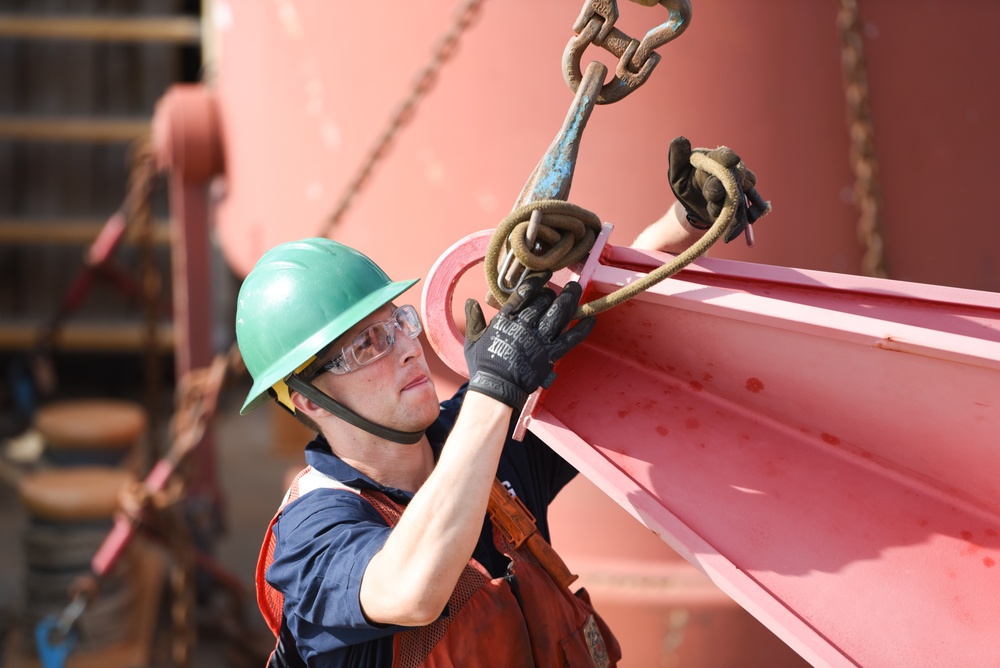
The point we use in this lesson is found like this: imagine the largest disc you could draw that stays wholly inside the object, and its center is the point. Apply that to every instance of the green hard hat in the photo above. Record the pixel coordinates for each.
(298, 298)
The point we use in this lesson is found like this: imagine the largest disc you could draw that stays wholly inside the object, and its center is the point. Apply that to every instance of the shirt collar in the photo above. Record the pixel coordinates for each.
(321, 457)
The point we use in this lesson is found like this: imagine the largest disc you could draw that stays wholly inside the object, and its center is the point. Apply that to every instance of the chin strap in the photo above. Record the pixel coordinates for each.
(347, 415)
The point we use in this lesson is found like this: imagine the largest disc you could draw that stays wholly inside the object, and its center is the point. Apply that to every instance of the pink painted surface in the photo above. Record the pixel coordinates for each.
(824, 447)
(305, 88)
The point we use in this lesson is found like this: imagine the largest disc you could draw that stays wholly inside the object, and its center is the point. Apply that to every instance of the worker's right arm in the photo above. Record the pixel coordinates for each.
(409, 581)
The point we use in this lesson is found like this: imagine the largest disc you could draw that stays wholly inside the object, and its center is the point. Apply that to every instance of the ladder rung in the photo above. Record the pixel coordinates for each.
(105, 336)
(171, 29)
(66, 231)
(96, 130)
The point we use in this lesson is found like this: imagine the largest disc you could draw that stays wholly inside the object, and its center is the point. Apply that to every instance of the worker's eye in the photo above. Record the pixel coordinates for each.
(372, 343)
(372, 338)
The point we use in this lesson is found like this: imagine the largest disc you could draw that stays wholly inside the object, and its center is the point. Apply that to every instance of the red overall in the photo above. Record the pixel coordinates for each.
(486, 625)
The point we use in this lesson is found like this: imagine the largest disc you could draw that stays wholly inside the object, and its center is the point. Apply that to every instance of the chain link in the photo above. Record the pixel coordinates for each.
(161, 508)
(864, 162)
(425, 80)
(182, 586)
(636, 59)
(138, 213)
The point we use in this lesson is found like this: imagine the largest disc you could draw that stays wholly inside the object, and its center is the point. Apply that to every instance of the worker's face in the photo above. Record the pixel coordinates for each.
(394, 391)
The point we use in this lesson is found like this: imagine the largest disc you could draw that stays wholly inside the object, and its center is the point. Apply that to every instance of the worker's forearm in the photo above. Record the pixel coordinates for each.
(672, 233)
(410, 580)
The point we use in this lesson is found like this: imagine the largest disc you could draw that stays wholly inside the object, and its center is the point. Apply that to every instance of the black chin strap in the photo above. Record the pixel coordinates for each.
(347, 415)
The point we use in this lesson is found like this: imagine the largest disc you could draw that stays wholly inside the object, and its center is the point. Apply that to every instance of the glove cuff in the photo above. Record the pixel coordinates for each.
(499, 389)
(696, 221)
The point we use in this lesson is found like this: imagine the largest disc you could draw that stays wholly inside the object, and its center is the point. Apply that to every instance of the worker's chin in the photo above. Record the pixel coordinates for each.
(428, 416)
(416, 416)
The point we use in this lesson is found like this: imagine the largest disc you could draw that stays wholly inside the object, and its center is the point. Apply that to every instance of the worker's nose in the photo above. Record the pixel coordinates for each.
(407, 348)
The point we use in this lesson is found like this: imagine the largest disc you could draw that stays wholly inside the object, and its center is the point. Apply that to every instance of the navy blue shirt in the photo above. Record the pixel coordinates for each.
(325, 539)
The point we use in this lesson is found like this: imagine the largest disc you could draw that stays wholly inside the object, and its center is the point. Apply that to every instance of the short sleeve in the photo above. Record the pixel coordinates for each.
(323, 544)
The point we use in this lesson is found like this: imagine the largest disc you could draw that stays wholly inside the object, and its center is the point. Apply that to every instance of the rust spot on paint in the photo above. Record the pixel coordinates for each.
(701, 445)
(966, 535)
(696, 386)
(662, 431)
(989, 562)
(645, 323)
(573, 404)
(830, 438)
(622, 413)
(692, 423)
(707, 377)
(755, 384)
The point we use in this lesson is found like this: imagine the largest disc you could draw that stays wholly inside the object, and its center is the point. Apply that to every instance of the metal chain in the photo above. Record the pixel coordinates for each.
(182, 586)
(197, 398)
(636, 59)
(425, 80)
(137, 210)
(864, 162)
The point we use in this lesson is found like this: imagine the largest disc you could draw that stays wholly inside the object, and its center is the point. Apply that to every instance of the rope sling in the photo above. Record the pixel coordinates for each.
(564, 221)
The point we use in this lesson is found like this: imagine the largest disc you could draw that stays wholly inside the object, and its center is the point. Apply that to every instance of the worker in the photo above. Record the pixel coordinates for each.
(381, 553)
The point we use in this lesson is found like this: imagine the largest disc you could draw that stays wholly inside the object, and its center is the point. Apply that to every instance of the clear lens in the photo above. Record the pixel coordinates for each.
(372, 343)
(375, 341)
(408, 321)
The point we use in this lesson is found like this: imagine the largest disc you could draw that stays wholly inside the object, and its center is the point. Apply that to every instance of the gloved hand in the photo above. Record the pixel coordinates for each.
(703, 195)
(514, 355)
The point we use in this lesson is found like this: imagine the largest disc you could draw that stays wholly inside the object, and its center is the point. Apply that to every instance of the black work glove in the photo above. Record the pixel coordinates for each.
(514, 355)
(703, 195)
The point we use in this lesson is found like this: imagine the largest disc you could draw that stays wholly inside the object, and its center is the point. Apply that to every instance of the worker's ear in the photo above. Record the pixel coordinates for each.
(306, 406)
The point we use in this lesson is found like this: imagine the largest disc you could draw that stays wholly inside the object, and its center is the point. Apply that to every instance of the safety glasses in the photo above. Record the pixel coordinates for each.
(375, 341)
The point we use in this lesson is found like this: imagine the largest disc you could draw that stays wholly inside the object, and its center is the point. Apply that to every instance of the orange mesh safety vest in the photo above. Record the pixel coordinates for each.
(486, 625)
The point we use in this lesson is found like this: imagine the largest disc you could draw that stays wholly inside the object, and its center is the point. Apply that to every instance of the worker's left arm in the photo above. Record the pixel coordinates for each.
(672, 233)
(700, 200)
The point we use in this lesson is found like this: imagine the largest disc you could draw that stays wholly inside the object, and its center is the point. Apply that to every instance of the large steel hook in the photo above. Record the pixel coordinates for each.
(636, 59)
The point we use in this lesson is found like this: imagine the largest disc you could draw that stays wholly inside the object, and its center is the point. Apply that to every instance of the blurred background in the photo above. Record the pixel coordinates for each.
(152, 150)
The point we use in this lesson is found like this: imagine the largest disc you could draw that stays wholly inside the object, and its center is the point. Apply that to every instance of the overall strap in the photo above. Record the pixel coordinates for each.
(271, 601)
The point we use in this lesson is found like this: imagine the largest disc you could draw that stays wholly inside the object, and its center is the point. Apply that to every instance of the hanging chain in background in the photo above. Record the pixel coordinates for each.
(446, 46)
(864, 163)
(184, 633)
(161, 508)
(142, 172)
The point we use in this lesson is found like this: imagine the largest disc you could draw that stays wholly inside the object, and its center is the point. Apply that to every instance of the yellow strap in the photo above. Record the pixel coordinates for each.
(281, 391)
